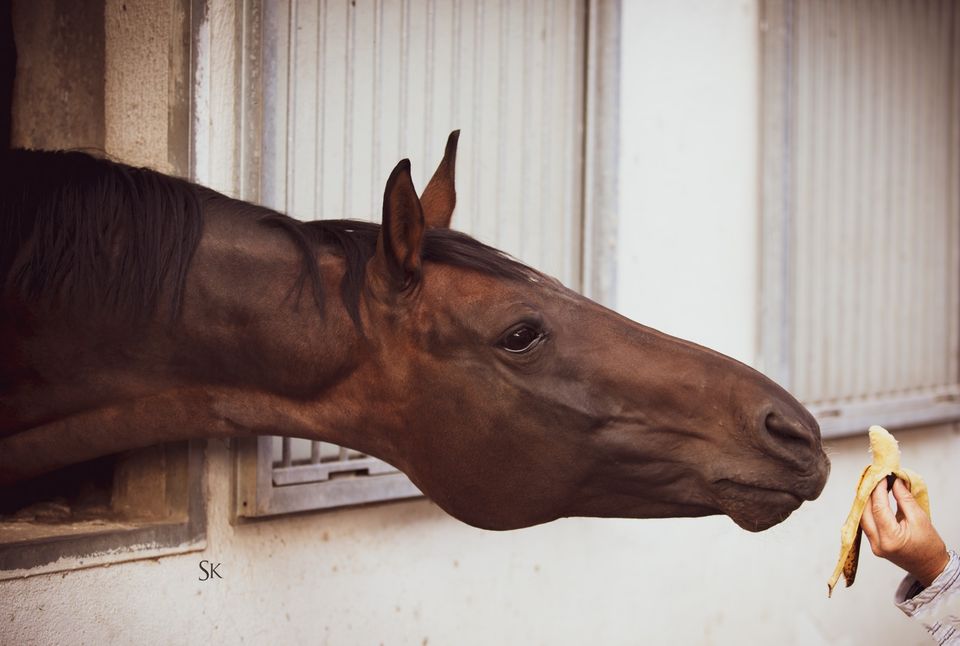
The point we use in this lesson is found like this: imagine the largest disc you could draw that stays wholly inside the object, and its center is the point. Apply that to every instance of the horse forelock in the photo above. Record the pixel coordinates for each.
(86, 233)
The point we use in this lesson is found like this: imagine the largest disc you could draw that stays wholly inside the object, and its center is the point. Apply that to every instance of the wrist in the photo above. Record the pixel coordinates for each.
(928, 574)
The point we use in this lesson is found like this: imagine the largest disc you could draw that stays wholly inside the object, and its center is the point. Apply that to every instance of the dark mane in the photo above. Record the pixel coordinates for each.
(90, 233)
(356, 241)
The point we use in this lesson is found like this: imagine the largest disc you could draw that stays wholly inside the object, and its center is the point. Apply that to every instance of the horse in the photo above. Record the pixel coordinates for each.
(139, 308)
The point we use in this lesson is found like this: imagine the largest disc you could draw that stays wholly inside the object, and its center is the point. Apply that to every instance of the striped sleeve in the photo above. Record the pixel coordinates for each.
(936, 607)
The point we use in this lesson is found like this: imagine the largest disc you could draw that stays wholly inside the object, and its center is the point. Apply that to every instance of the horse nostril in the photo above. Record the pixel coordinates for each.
(791, 431)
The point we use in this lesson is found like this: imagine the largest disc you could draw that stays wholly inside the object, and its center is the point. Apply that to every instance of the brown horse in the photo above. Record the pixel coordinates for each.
(139, 308)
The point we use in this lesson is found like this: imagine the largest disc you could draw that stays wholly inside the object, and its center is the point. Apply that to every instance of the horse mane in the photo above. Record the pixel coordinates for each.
(356, 242)
(91, 233)
(87, 232)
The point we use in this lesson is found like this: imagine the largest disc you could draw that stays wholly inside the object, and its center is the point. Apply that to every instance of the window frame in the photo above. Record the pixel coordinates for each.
(259, 487)
(137, 528)
(776, 327)
(125, 540)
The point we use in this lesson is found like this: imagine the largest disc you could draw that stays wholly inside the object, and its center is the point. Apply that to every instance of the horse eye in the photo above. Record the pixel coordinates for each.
(521, 339)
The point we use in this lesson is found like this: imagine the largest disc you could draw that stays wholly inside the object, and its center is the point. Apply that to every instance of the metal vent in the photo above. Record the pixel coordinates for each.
(320, 462)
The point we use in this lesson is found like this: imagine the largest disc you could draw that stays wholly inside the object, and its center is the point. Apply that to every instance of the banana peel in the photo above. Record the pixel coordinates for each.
(886, 462)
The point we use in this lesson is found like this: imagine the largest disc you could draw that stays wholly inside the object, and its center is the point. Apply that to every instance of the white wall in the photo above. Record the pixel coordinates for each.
(688, 266)
(408, 574)
(688, 262)
(405, 573)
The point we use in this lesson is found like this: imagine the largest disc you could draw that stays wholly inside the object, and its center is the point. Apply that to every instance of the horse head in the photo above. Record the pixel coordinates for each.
(515, 401)
(506, 397)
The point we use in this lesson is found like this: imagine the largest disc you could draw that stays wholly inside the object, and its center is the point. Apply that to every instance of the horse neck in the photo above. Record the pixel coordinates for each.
(251, 325)
(247, 355)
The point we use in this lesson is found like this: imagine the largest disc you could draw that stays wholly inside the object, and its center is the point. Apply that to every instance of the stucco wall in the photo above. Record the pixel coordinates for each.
(136, 81)
(105, 75)
(407, 574)
(66, 68)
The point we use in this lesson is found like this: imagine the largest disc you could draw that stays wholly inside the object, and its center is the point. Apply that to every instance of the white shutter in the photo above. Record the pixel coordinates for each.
(350, 88)
(332, 94)
(861, 210)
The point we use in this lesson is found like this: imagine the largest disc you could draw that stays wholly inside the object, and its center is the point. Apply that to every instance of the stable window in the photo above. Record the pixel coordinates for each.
(330, 95)
(149, 502)
(138, 504)
(861, 209)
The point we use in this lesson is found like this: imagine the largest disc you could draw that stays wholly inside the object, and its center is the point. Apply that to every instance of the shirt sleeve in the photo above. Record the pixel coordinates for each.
(936, 607)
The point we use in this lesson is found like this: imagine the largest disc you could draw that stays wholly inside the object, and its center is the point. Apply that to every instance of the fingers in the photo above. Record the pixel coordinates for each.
(883, 518)
(906, 503)
(868, 520)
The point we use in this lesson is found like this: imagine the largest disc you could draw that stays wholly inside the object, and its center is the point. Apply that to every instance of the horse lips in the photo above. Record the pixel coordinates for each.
(886, 461)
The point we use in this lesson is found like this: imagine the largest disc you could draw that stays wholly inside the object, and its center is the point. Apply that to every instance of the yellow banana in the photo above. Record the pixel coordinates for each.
(886, 461)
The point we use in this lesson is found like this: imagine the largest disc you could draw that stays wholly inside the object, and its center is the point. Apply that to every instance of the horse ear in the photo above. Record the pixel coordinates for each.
(401, 232)
(440, 196)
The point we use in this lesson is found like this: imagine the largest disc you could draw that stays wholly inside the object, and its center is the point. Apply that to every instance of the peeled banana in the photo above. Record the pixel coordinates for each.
(886, 461)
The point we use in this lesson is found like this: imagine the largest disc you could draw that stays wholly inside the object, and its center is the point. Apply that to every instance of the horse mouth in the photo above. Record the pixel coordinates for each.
(756, 507)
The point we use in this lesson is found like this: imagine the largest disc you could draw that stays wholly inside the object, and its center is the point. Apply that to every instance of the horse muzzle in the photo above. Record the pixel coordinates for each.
(756, 503)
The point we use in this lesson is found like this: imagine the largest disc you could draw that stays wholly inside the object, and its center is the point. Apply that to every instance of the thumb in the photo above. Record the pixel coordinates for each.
(906, 502)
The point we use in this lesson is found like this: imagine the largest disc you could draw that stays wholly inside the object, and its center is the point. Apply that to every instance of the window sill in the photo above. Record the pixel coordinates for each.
(842, 419)
(31, 547)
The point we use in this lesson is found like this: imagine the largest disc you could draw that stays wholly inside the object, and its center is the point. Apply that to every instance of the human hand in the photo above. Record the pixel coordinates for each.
(907, 539)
